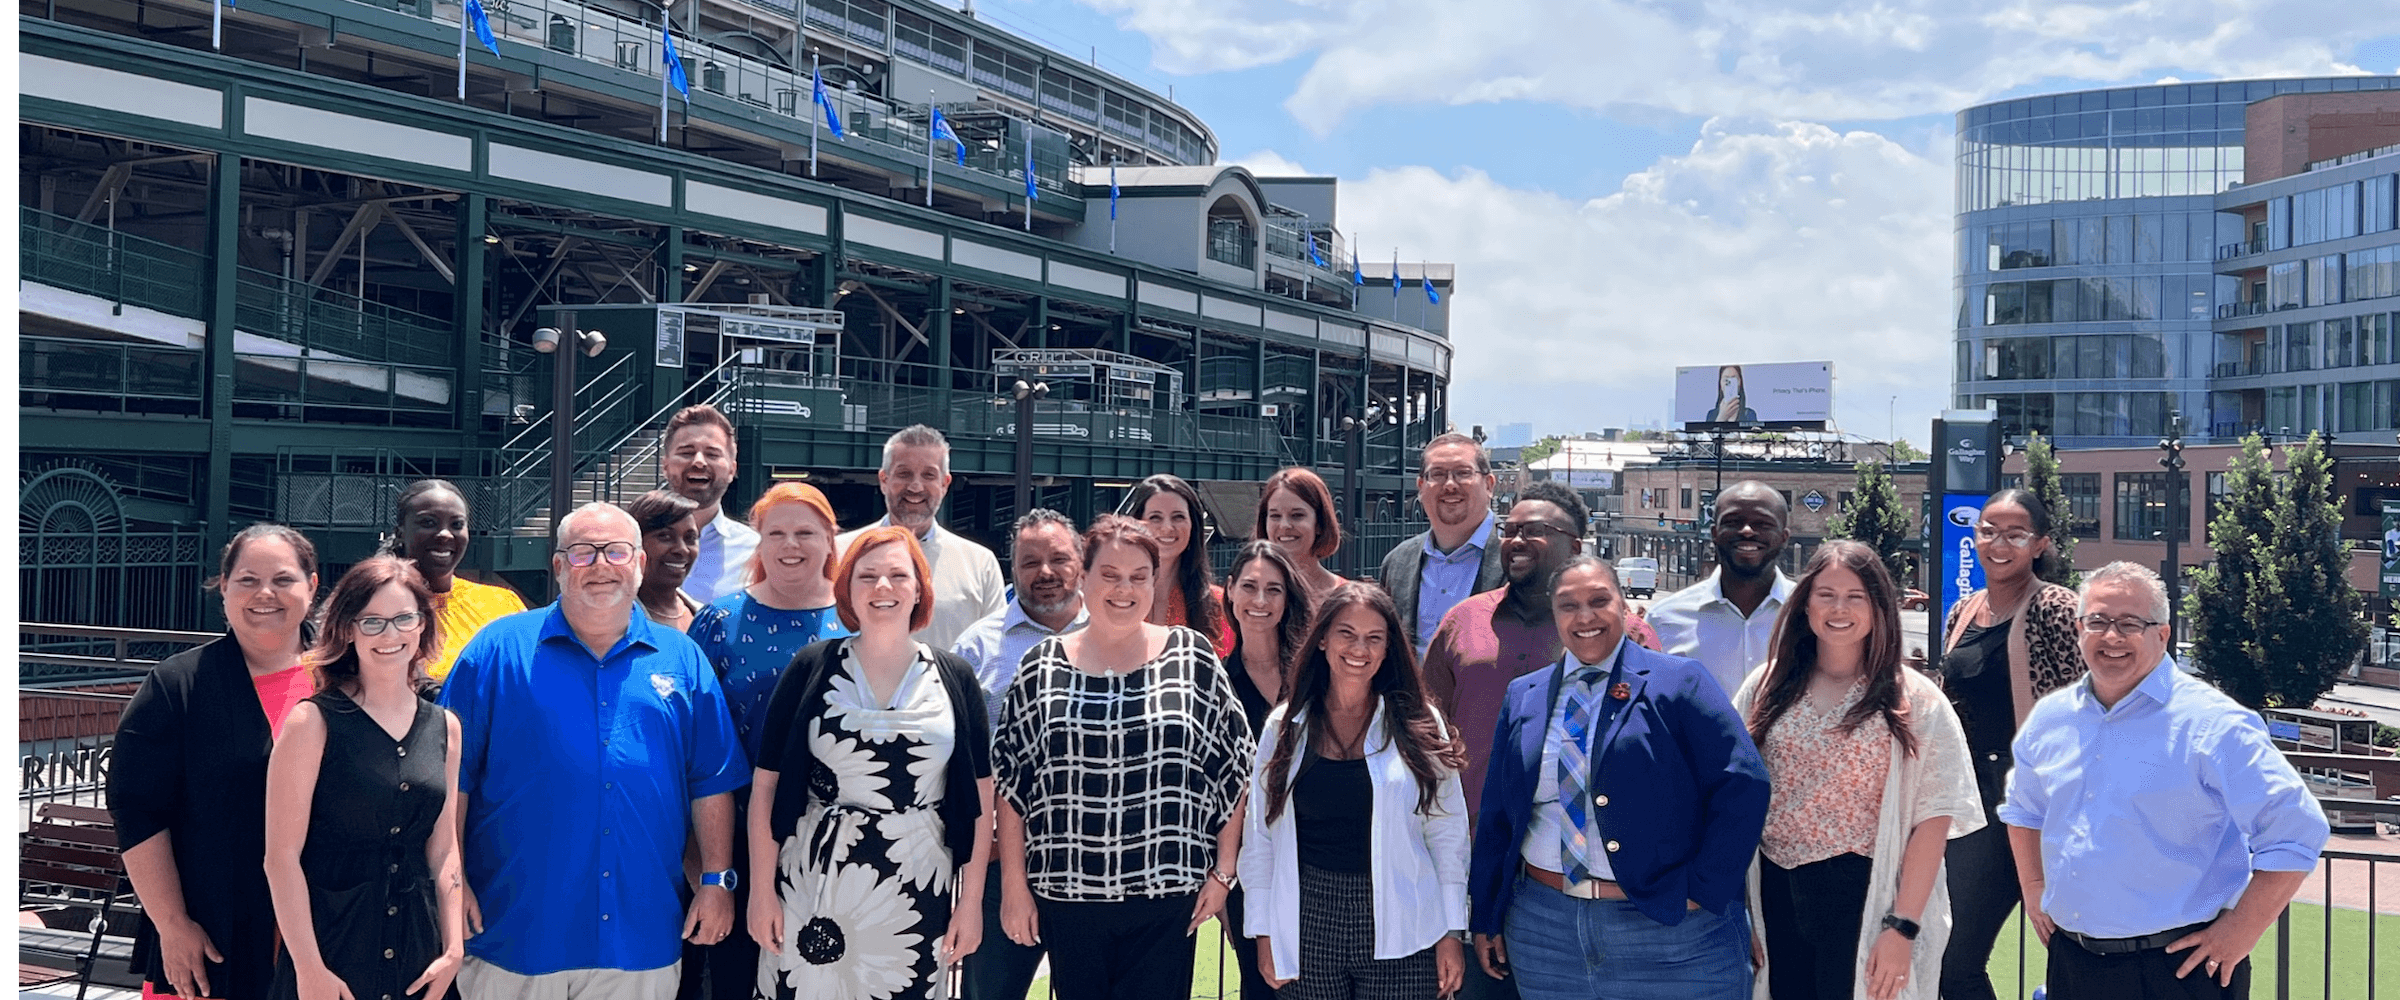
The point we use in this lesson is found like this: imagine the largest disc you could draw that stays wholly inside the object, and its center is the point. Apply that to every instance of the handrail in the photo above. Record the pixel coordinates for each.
(674, 403)
(541, 424)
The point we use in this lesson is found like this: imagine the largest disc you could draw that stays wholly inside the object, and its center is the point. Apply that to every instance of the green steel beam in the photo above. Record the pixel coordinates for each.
(224, 264)
(467, 304)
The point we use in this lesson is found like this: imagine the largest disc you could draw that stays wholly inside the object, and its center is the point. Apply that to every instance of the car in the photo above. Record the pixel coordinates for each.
(1640, 575)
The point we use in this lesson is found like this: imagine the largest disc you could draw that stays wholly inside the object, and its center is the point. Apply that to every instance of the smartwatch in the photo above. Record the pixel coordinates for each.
(730, 878)
(1907, 928)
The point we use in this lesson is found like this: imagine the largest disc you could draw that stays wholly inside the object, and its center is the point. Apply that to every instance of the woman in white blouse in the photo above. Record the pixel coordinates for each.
(1870, 776)
(1355, 852)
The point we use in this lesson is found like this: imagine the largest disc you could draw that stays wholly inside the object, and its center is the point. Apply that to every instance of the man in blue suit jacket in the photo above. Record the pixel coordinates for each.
(1624, 878)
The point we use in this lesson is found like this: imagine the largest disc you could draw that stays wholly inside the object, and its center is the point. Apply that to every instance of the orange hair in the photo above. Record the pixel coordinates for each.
(868, 541)
(784, 494)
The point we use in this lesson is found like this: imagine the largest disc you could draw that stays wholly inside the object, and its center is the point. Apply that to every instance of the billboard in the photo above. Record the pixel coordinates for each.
(1795, 394)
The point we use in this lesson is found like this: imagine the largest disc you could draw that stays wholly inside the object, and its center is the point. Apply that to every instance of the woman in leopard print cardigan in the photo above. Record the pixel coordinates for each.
(2005, 646)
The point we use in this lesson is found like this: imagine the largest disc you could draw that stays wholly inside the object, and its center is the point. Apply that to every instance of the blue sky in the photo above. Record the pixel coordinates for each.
(1628, 186)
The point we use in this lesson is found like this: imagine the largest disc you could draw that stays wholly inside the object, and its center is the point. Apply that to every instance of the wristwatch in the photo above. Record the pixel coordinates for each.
(1225, 878)
(729, 878)
(1907, 928)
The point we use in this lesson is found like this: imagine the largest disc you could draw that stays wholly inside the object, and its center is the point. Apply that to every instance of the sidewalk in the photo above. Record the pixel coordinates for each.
(2380, 703)
(2350, 878)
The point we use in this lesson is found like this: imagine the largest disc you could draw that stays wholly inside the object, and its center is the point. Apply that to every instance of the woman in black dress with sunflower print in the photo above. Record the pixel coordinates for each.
(865, 852)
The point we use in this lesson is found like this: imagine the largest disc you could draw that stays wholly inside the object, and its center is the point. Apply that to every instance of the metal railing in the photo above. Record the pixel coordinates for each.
(601, 36)
(1289, 240)
(122, 268)
(2245, 248)
(2233, 309)
(323, 320)
(66, 373)
(321, 390)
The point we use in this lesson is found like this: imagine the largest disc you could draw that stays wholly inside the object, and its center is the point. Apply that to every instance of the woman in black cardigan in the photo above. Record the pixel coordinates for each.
(864, 845)
(187, 777)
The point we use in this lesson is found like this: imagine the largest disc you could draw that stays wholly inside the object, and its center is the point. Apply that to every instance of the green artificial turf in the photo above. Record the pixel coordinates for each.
(2308, 949)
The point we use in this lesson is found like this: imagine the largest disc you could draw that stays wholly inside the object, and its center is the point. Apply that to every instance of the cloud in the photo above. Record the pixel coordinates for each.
(1825, 60)
(1765, 242)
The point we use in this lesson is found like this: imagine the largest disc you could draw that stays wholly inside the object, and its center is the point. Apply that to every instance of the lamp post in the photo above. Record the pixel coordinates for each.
(589, 343)
(2171, 459)
(1355, 459)
(1025, 395)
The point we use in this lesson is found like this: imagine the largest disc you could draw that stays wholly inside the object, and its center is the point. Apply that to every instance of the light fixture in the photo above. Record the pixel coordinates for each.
(546, 339)
(958, 310)
(593, 342)
(491, 239)
(691, 267)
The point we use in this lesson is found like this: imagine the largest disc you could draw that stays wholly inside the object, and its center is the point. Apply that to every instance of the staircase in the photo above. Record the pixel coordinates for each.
(626, 464)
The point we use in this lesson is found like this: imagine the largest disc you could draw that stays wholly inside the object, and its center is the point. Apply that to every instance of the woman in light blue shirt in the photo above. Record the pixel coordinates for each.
(1355, 852)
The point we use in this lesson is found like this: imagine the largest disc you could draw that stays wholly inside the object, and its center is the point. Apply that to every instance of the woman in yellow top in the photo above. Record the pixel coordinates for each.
(432, 532)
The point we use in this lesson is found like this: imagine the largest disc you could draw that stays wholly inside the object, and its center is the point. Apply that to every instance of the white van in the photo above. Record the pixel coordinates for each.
(1640, 574)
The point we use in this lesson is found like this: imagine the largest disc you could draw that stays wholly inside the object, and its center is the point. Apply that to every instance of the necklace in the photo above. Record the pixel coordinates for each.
(1350, 748)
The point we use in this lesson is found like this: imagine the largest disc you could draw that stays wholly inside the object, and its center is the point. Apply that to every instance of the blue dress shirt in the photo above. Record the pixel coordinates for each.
(2154, 813)
(996, 645)
(580, 774)
(1446, 579)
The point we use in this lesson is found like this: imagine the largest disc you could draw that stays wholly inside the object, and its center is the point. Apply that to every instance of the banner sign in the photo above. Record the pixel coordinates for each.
(1962, 573)
(1791, 395)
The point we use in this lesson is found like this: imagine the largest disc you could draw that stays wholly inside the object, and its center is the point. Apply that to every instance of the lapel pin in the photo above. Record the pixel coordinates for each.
(1621, 692)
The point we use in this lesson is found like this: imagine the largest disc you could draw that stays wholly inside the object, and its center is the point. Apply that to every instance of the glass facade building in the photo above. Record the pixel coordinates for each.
(2086, 281)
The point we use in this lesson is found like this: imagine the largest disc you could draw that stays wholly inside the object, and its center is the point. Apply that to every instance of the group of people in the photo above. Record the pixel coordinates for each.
(770, 759)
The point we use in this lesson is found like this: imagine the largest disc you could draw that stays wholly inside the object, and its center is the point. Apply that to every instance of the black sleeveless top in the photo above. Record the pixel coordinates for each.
(370, 891)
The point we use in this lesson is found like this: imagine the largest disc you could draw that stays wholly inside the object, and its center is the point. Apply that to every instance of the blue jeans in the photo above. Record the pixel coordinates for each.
(1000, 969)
(1562, 948)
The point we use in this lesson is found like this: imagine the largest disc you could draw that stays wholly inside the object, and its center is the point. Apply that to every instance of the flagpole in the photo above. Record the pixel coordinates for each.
(1029, 178)
(1112, 207)
(816, 111)
(666, 75)
(216, 25)
(462, 51)
(930, 111)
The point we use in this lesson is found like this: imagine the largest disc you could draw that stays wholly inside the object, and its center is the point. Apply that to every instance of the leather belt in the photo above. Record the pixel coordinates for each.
(1593, 888)
(2127, 946)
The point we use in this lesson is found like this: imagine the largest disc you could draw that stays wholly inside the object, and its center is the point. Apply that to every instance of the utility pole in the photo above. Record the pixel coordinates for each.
(1026, 395)
(2171, 459)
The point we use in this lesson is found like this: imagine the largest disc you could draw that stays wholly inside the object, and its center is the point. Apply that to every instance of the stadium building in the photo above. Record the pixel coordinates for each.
(277, 266)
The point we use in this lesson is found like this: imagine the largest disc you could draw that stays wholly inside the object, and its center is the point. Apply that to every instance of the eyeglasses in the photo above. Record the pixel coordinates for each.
(2127, 627)
(1528, 529)
(2019, 537)
(1444, 477)
(409, 622)
(583, 554)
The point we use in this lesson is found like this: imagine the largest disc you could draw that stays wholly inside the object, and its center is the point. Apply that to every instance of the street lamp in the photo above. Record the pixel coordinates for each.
(2171, 459)
(1378, 410)
(1025, 395)
(589, 343)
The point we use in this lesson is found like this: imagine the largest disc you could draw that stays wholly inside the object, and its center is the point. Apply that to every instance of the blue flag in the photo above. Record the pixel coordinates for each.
(1313, 256)
(941, 130)
(1031, 195)
(1431, 297)
(483, 26)
(1395, 277)
(1358, 275)
(1112, 192)
(675, 77)
(833, 116)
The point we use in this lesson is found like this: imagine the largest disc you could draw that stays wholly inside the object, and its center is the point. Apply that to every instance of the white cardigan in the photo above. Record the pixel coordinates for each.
(1937, 781)
(1416, 859)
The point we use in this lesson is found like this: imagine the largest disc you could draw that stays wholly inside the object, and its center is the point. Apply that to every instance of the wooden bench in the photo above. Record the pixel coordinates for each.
(68, 866)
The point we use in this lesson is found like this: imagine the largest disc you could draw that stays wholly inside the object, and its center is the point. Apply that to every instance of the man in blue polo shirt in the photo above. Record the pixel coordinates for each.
(589, 735)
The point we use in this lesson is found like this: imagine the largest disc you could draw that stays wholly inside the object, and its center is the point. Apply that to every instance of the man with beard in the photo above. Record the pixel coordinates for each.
(967, 586)
(589, 738)
(1048, 561)
(1727, 621)
(1455, 559)
(696, 458)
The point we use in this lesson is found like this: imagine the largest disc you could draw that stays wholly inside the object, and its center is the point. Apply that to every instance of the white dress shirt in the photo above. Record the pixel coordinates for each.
(1418, 861)
(967, 585)
(723, 560)
(1545, 837)
(1700, 623)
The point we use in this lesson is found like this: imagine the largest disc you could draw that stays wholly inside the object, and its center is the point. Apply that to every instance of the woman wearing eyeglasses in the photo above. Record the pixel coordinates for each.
(362, 835)
(2004, 647)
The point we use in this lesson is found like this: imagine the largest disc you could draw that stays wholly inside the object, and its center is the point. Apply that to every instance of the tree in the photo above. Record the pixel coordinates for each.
(2323, 624)
(1537, 451)
(2041, 480)
(1875, 517)
(2233, 599)
(2278, 584)
(1904, 452)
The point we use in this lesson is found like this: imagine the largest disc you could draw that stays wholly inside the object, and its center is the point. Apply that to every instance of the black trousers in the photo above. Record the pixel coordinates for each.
(1245, 950)
(728, 969)
(2076, 974)
(1813, 915)
(1132, 949)
(999, 969)
(1983, 890)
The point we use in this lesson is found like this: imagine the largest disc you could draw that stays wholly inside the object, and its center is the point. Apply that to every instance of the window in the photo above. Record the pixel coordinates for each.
(2083, 503)
(2216, 495)
(2323, 284)
(1003, 71)
(865, 20)
(2143, 507)
(2375, 204)
(2299, 347)
(917, 37)
(2284, 285)
(2279, 223)
(2018, 244)
(1686, 498)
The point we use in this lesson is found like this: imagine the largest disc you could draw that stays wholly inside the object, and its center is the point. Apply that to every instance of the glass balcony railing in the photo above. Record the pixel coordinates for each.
(1289, 240)
(597, 35)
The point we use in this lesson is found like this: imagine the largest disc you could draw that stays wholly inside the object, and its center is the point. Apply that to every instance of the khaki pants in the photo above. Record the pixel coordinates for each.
(481, 980)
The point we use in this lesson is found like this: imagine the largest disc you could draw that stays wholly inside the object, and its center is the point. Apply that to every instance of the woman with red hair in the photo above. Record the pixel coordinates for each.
(884, 822)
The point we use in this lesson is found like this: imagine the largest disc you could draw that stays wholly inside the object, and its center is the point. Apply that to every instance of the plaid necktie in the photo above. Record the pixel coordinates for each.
(1574, 770)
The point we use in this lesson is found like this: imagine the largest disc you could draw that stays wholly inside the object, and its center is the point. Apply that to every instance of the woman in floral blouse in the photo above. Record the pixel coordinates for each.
(1870, 780)
(886, 823)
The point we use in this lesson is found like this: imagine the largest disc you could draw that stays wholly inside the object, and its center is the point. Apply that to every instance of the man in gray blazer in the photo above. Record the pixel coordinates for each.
(1458, 558)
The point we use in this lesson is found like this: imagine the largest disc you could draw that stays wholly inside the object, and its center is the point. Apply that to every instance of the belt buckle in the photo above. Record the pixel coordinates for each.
(1587, 889)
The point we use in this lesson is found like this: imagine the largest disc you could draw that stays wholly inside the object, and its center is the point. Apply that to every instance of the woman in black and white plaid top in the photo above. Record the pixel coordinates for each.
(1119, 755)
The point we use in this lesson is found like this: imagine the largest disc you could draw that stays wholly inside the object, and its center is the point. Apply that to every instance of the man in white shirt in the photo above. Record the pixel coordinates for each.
(696, 458)
(1727, 621)
(967, 585)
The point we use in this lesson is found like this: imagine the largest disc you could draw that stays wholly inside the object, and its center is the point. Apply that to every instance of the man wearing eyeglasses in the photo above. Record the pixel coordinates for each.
(2157, 831)
(588, 736)
(1455, 559)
